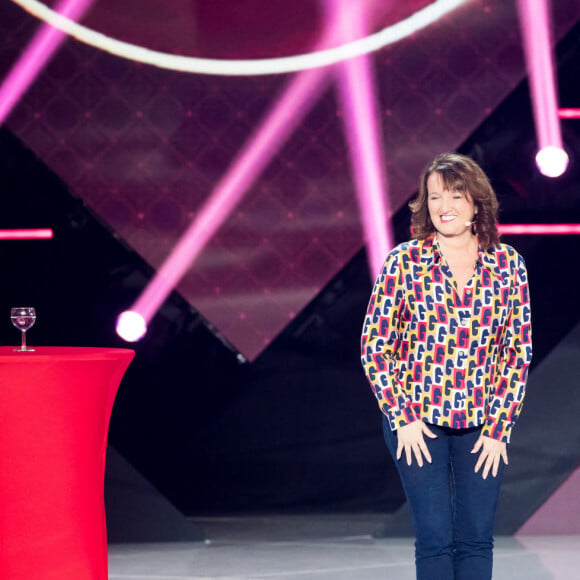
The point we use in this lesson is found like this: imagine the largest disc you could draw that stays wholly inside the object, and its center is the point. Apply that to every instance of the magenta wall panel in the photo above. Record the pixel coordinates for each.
(560, 514)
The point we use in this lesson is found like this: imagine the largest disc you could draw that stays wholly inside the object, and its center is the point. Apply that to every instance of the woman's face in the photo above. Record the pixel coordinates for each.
(451, 212)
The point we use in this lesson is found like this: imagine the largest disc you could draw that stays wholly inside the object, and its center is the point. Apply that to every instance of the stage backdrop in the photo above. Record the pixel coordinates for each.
(145, 147)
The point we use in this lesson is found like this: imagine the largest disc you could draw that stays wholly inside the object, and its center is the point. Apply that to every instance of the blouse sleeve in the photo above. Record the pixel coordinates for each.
(380, 342)
(509, 389)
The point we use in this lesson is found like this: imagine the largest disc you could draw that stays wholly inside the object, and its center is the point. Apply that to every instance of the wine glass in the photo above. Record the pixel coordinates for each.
(23, 318)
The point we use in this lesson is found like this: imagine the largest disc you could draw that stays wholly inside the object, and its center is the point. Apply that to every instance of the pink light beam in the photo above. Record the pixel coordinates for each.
(35, 57)
(357, 96)
(30, 234)
(229, 191)
(551, 159)
(286, 114)
(545, 229)
(277, 126)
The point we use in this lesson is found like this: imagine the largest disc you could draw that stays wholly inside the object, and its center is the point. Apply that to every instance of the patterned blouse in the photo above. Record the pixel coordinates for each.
(455, 361)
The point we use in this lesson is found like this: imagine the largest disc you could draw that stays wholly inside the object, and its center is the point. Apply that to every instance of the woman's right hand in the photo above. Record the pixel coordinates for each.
(410, 439)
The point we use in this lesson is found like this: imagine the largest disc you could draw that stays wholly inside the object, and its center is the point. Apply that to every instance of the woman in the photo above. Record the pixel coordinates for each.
(446, 346)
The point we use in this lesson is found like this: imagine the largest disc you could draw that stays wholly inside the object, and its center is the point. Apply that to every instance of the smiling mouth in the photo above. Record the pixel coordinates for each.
(447, 218)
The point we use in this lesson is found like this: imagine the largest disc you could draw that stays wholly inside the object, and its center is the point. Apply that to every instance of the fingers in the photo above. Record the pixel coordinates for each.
(408, 454)
(479, 462)
(413, 450)
(485, 460)
(418, 456)
(477, 446)
(492, 463)
(505, 455)
(496, 462)
(411, 442)
(492, 453)
(428, 432)
(489, 464)
(425, 451)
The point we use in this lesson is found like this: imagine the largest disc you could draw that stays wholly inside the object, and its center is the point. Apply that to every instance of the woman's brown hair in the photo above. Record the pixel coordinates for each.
(459, 173)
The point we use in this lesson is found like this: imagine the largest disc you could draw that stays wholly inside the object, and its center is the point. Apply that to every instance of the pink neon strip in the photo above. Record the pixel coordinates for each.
(357, 93)
(534, 23)
(35, 234)
(569, 113)
(561, 229)
(37, 54)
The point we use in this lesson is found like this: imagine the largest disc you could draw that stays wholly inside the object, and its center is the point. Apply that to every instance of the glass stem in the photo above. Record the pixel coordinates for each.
(23, 347)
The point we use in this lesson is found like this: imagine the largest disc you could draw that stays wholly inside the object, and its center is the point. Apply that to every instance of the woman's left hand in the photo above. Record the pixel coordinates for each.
(492, 452)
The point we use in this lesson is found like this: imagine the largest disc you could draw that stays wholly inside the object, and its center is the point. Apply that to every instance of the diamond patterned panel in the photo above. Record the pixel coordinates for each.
(144, 148)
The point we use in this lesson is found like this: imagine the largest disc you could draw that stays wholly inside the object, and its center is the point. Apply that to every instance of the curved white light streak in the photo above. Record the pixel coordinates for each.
(389, 35)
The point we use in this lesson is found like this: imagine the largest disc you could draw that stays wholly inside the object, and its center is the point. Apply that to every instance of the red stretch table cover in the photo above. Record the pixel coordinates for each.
(55, 407)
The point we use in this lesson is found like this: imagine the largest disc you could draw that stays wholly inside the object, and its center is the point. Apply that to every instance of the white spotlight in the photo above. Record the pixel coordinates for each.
(552, 161)
(131, 326)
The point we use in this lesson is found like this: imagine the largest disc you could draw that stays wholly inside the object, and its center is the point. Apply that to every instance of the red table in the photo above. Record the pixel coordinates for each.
(55, 407)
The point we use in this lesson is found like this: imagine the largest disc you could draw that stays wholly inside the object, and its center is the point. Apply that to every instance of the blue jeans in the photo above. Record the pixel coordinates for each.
(453, 508)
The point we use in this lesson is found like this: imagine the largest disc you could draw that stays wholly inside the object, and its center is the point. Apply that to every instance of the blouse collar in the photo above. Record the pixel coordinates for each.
(431, 255)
